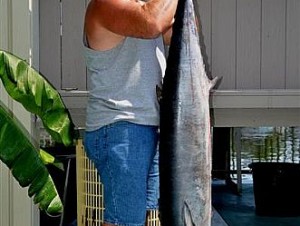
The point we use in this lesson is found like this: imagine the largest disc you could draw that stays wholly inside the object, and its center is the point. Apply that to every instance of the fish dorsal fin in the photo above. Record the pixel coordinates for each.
(213, 82)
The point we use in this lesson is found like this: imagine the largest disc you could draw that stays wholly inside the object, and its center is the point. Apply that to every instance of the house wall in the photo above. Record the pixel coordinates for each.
(254, 45)
(61, 58)
(17, 20)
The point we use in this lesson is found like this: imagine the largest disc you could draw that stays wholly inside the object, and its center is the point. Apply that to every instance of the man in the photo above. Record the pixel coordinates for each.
(125, 62)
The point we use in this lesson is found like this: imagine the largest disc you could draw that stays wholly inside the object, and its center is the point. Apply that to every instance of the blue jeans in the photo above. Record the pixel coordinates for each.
(126, 157)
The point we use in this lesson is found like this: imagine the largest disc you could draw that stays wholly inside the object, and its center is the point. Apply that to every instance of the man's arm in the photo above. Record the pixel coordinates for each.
(135, 18)
(167, 36)
(117, 19)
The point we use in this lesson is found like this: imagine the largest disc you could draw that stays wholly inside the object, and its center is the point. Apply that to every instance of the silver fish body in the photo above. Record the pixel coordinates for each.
(185, 130)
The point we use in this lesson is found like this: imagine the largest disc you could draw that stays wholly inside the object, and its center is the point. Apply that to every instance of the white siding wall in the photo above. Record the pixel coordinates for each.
(61, 33)
(252, 44)
(16, 36)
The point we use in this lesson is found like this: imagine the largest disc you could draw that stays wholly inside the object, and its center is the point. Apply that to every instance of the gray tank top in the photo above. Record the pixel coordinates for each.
(122, 82)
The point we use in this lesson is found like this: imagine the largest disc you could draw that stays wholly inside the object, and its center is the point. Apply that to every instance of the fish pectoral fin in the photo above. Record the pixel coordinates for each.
(187, 214)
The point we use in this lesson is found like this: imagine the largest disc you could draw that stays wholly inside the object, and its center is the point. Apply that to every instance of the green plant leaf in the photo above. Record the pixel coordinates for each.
(23, 159)
(38, 96)
(50, 159)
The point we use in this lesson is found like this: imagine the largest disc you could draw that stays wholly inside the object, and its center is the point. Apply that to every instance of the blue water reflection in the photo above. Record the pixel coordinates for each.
(267, 144)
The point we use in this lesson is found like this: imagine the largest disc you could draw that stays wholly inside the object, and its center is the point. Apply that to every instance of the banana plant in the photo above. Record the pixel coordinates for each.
(27, 86)
(27, 162)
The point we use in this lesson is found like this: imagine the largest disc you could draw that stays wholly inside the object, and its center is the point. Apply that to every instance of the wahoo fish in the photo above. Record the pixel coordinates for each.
(185, 130)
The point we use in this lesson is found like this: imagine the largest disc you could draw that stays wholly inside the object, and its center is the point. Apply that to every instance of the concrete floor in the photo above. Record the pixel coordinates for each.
(217, 220)
(240, 210)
